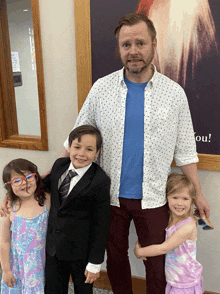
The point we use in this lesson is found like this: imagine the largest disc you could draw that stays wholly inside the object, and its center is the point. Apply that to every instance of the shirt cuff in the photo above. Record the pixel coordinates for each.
(93, 268)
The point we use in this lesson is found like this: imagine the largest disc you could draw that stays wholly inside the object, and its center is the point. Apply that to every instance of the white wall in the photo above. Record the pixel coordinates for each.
(58, 45)
(57, 26)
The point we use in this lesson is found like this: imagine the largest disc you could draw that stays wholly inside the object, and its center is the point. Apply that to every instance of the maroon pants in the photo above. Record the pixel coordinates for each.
(150, 226)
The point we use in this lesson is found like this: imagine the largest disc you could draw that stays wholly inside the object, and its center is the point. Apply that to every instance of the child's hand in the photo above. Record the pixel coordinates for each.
(9, 278)
(90, 277)
(137, 251)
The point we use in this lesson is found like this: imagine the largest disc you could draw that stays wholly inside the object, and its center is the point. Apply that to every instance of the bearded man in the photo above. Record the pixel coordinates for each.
(145, 122)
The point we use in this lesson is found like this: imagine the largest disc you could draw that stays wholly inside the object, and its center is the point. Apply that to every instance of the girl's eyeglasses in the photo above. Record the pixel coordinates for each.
(204, 225)
(19, 181)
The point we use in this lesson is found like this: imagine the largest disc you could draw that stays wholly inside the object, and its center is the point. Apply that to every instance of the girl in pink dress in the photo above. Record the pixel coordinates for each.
(23, 230)
(183, 271)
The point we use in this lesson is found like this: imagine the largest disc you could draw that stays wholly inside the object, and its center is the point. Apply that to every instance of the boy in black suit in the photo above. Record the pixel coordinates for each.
(79, 215)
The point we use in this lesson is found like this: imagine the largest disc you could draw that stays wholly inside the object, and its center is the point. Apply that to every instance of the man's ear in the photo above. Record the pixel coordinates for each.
(68, 150)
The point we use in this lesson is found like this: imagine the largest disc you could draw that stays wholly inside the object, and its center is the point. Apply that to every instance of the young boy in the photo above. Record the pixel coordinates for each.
(79, 215)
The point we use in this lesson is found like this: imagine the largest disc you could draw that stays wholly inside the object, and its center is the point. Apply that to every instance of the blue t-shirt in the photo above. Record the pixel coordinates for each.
(133, 145)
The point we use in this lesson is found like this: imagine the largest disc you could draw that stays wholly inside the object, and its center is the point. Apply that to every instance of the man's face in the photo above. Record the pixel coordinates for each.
(136, 48)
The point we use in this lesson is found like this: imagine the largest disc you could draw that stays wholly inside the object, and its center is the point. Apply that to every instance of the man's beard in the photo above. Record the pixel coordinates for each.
(147, 63)
(136, 71)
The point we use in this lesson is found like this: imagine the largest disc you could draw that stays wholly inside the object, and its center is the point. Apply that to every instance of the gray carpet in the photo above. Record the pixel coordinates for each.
(71, 291)
(95, 290)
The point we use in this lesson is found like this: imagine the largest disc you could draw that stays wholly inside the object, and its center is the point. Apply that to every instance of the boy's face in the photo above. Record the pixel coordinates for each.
(84, 152)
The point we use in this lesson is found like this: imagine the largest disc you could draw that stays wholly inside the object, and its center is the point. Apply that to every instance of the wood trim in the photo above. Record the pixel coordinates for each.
(8, 109)
(84, 71)
(83, 49)
(9, 137)
(40, 73)
(138, 284)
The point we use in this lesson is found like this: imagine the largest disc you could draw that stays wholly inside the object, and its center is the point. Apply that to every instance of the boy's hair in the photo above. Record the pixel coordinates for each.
(176, 183)
(78, 132)
(20, 166)
(133, 19)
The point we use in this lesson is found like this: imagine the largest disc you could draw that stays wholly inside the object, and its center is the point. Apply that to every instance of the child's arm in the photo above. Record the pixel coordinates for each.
(179, 237)
(5, 244)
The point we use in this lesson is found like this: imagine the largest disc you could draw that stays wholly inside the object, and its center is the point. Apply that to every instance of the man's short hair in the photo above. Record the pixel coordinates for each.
(78, 132)
(132, 19)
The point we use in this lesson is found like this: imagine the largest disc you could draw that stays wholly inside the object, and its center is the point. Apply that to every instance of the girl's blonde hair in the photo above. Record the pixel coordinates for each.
(176, 183)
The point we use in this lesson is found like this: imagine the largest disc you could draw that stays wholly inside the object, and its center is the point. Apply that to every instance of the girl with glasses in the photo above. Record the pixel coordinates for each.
(23, 230)
(183, 271)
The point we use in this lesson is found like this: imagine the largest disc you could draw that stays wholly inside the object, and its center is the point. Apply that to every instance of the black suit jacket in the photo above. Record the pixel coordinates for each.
(78, 228)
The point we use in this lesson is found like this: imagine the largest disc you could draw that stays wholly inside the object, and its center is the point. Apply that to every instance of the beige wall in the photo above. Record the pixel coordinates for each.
(58, 44)
(57, 26)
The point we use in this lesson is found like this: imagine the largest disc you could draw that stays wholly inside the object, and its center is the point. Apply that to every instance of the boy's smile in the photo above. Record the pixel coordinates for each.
(84, 152)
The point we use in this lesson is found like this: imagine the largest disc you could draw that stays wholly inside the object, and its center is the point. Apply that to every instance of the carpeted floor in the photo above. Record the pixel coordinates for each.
(95, 290)
(71, 291)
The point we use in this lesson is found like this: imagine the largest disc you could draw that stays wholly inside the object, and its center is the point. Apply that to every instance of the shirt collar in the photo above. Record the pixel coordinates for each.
(80, 171)
(151, 82)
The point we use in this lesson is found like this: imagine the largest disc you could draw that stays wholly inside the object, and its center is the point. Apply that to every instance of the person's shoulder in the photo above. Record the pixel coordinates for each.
(100, 173)
(60, 161)
(109, 78)
(187, 226)
(161, 78)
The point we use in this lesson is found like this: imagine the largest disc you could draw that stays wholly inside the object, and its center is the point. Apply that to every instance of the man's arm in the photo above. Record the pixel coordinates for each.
(186, 156)
(190, 170)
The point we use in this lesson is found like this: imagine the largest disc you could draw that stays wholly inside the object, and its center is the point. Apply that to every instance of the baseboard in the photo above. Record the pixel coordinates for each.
(138, 284)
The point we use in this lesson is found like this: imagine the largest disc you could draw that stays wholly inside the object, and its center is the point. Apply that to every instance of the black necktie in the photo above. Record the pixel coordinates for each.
(64, 188)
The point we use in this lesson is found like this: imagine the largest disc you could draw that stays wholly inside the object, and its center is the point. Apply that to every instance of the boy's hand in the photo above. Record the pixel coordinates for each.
(9, 278)
(136, 251)
(5, 205)
(90, 277)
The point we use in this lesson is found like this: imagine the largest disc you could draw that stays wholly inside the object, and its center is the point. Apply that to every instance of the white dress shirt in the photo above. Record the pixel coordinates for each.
(93, 268)
(168, 131)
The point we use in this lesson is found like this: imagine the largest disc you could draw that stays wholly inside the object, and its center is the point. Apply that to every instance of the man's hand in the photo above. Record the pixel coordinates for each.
(9, 278)
(5, 205)
(190, 170)
(203, 206)
(90, 277)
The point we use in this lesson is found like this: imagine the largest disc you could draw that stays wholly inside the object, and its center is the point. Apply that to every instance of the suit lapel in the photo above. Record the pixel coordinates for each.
(81, 185)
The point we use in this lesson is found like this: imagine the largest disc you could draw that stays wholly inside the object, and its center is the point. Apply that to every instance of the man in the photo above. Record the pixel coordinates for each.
(145, 121)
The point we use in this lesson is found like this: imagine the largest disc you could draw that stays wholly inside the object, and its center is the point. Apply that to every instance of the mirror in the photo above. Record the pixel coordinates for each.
(23, 113)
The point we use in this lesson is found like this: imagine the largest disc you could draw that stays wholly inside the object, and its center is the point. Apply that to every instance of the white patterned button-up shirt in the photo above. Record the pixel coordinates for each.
(168, 131)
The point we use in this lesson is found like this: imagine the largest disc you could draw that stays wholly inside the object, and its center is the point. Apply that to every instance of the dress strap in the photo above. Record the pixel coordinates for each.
(13, 206)
(185, 221)
(45, 206)
(14, 211)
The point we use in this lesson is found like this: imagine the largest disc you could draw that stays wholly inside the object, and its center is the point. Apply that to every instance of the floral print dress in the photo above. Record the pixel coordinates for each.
(27, 254)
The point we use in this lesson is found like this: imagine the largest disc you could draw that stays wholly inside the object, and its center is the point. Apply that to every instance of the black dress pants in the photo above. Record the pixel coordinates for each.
(57, 274)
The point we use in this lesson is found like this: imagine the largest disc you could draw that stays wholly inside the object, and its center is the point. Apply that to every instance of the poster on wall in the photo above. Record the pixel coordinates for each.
(188, 35)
